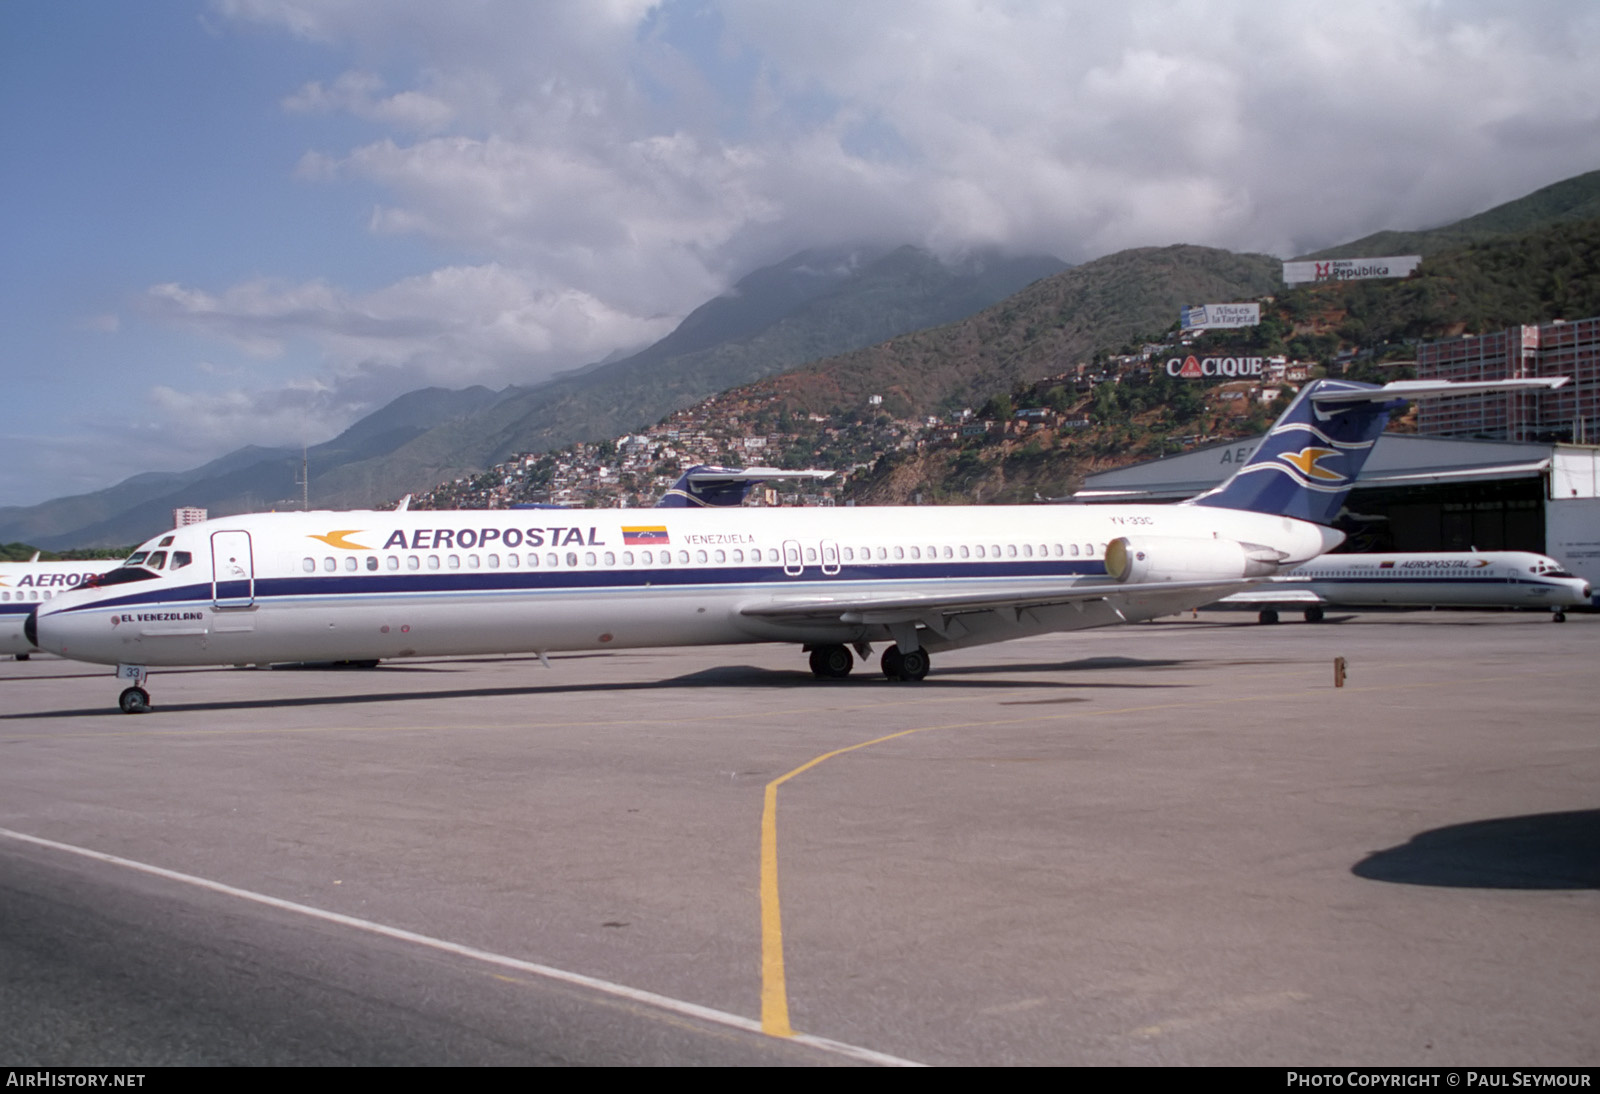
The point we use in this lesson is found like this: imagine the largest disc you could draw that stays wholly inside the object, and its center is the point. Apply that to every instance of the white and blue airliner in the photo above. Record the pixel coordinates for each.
(357, 586)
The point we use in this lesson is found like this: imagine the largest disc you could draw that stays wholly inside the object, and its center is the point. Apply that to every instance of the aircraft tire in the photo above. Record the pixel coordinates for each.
(911, 666)
(1559, 617)
(1268, 615)
(134, 701)
(831, 662)
(23, 656)
(1314, 615)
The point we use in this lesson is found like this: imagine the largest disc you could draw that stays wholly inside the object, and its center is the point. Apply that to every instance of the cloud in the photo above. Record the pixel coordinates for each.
(455, 327)
(593, 170)
(356, 93)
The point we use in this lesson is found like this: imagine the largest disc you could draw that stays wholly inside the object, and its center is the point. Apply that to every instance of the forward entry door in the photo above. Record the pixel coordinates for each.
(233, 571)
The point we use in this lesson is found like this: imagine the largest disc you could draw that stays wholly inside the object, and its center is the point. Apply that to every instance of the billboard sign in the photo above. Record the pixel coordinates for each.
(1234, 368)
(1219, 316)
(1349, 269)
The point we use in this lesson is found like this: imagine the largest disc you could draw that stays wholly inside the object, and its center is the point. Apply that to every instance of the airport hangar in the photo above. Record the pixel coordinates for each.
(1422, 493)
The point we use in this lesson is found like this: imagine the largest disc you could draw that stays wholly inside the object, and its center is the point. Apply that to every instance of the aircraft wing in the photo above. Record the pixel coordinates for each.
(891, 607)
(1274, 594)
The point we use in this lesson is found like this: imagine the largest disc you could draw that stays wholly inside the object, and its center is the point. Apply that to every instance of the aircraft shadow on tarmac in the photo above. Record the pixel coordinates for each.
(722, 676)
(1539, 851)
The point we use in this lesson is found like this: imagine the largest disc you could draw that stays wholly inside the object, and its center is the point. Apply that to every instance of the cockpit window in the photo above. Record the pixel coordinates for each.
(166, 541)
(136, 558)
(180, 559)
(156, 561)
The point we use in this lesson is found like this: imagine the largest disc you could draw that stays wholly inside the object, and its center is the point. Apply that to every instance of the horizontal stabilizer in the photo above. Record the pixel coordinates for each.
(1415, 389)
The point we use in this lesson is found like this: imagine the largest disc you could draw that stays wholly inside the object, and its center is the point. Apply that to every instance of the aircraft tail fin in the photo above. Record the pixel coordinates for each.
(1310, 458)
(703, 487)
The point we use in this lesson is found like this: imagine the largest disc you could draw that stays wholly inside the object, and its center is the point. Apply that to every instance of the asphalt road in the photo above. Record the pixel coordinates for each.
(1169, 843)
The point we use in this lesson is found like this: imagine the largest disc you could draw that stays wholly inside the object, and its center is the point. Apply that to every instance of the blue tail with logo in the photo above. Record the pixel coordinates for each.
(1310, 458)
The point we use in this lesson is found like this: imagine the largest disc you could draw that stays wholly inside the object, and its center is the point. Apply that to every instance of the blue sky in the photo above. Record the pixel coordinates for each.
(253, 221)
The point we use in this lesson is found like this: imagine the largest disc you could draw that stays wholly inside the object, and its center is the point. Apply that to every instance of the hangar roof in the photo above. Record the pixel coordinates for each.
(1397, 459)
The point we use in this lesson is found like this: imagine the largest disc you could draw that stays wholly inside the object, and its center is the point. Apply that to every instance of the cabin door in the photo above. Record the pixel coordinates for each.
(791, 558)
(233, 571)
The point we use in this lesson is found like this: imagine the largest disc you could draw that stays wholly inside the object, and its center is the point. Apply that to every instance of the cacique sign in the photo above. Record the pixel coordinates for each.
(1194, 368)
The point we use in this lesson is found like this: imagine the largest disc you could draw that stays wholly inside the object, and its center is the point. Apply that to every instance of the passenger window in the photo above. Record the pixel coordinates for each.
(700, 556)
(552, 559)
(979, 550)
(588, 558)
(627, 558)
(916, 552)
(647, 557)
(350, 562)
(683, 558)
(472, 562)
(454, 562)
(372, 562)
(610, 559)
(572, 558)
(511, 560)
(1074, 550)
(392, 562)
(433, 562)
(309, 565)
(722, 556)
(965, 553)
(329, 565)
(1011, 550)
(493, 561)
(899, 552)
(1027, 550)
(413, 562)
(738, 554)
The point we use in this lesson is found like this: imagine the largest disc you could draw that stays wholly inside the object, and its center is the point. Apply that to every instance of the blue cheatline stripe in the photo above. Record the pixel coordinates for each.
(766, 579)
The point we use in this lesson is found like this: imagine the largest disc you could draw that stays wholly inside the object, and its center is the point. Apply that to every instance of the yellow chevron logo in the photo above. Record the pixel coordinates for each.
(336, 539)
(1305, 461)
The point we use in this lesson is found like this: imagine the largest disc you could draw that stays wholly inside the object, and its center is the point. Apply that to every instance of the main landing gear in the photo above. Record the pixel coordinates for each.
(911, 665)
(1557, 616)
(833, 662)
(133, 700)
(1268, 615)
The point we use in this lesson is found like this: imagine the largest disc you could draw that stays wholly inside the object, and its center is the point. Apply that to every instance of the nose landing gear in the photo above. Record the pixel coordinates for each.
(135, 699)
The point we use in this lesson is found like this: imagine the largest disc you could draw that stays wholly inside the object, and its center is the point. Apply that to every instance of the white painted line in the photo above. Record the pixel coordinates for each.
(621, 991)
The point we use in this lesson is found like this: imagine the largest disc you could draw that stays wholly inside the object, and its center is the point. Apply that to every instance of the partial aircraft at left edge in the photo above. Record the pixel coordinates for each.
(25, 585)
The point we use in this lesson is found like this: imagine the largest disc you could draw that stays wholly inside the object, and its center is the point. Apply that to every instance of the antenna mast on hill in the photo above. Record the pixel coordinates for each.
(303, 481)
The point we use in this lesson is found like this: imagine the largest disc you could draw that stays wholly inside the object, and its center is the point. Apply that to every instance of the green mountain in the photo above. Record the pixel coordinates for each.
(812, 305)
(1041, 331)
(1572, 200)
